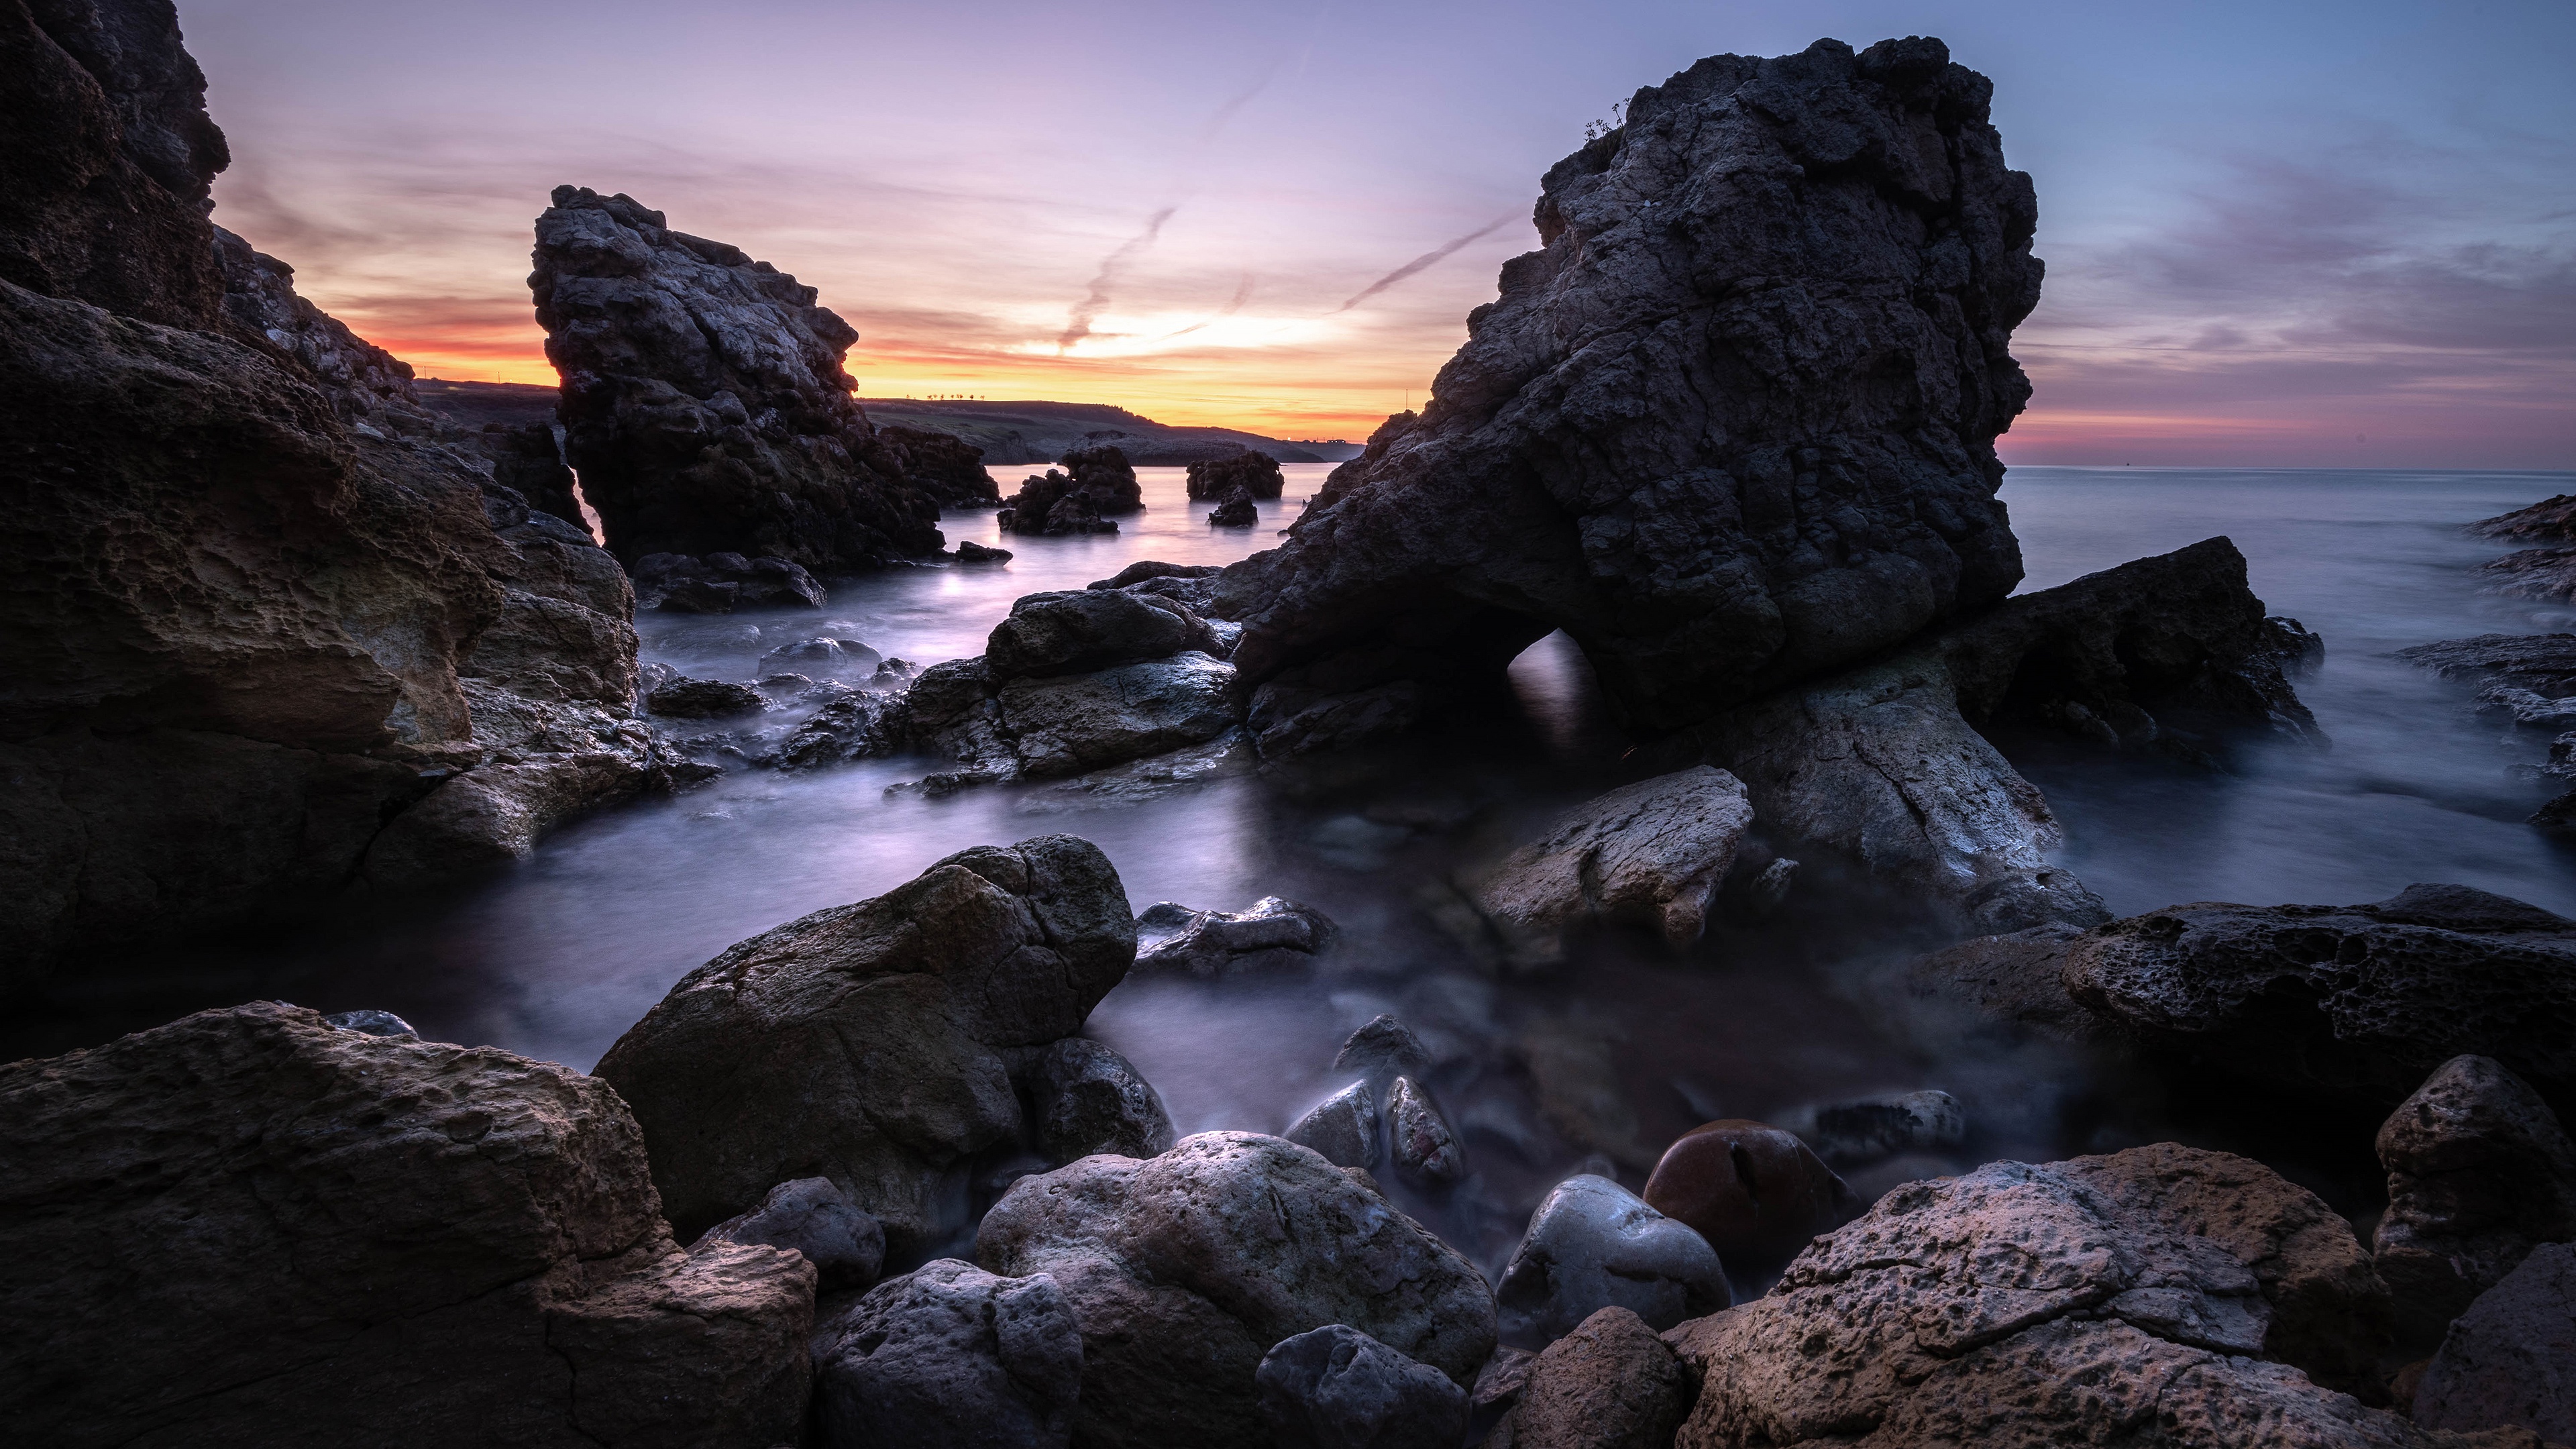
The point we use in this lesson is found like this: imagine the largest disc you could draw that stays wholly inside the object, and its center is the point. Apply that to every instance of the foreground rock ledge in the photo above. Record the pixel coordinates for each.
(249, 1227)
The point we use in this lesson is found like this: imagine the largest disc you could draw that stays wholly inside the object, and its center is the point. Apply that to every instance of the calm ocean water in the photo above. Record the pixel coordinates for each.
(1603, 1062)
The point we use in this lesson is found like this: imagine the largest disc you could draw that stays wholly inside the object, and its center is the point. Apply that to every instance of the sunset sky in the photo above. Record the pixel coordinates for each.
(2276, 233)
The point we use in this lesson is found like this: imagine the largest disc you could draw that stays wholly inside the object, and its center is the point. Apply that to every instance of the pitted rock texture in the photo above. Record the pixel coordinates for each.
(2479, 1172)
(2359, 1002)
(249, 1227)
(2551, 520)
(1649, 854)
(2124, 1299)
(863, 1043)
(1185, 1269)
(1256, 474)
(1732, 426)
(1609, 1384)
(949, 1356)
(704, 402)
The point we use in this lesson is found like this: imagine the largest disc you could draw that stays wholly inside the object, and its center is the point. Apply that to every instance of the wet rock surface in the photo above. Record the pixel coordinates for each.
(2135, 1294)
(2551, 520)
(1269, 935)
(814, 1218)
(1609, 1384)
(1754, 1192)
(1257, 474)
(2506, 1362)
(2533, 573)
(721, 582)
(704, 403)
(1649, 854)
(1593, 1245)
(1085, 1098)
(863, 1043)
(1845, 1133)
(1337, 1388)
(2479, 1172)
(950, 1356)
(1660, 426)
(251, 1227)
(1184, 1270)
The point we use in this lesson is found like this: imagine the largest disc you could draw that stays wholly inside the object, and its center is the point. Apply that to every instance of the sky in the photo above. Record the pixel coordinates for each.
(2277, 233)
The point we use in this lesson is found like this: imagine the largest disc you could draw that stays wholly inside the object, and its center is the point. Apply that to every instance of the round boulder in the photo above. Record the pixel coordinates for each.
(1337, 1388)
(1593, 1245)
(1749, 1188)
(1086, 1098)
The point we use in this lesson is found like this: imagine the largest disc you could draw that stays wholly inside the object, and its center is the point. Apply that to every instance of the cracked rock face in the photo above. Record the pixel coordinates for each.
(2160, 1295)
(1731, 426)
(864, 1043)
(251, 1227)
(704, 402)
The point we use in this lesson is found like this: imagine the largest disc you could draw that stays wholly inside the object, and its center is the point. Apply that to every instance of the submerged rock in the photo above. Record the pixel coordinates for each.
(1270, 935)
(1337, 1388)
(1594, 1245)
(2479, 1171)
(811, 1216)
(949, 1356)
(863, 1043)
(1847, 1133)
(1649, 854)
(722, 582)
(969, 551)
(1611, 1383)
(1257, 474)
(704, 402)
(1235, 510)
(704, 699)
(1752, 1190)
(2506, 1363)
(250, 1227)
(1184, 1270)
(1085, 1098)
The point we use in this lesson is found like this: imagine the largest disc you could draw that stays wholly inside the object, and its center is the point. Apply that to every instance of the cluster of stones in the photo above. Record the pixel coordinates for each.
(1095, 484)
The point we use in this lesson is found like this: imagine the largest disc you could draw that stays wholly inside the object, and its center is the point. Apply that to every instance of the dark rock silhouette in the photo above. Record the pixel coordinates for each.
(945, 466)
(1096, 481)
(2479, 1171)
(1733, 425)
(704, 403)
(1235, 510)
(1101, 470)
(1255, 473)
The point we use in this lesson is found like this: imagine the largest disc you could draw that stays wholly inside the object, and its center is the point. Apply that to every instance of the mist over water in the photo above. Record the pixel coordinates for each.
(1596, 1065)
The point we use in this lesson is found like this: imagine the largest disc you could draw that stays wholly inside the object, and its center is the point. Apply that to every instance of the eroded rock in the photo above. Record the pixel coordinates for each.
(704, 699)
(1235, 510)
(1649, 854)
(2551, 520)
(1257, 474)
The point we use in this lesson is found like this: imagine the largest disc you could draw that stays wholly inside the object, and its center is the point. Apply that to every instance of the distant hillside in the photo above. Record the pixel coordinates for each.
(1015, 433)
(477, 403)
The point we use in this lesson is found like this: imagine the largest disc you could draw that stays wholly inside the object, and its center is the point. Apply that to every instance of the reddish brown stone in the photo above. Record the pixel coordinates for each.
(1749, 1188)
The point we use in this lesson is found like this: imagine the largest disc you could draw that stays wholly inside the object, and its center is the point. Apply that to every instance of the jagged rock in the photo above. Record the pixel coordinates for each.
(528, 459)
(1752, 1190)
(2507, 1361)
(1889, 763)
(950, 1357)
(704, 699)
(969, 551)
(1609, 1384)
(1337, 1388)
(365, 383)
(1592, 1245)
(862, 1043)
(2479, 1170)
(2134, 1295)
(1385, 1047)
(1148, 570)
(943, 465)
(1257, 474)
(2533, 573)
(2531, 678)
(1732, 426)
(1079, 631)
(250, 1227)
(1185, 1269)
(704, 403)
(864, 725)
(1270, 935)
(1848, 1133)
(1060, 502)
(816, 1219)
(1342, 1127)
(1234, 511)
(1085, 1098)
(2551, 520)
(1649, 854)
(1419, 1141)
(721, 582)
(1102, 474)
(2357, 1003)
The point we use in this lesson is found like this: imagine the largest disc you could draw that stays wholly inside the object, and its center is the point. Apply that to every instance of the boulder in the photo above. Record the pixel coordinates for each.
(2510, 1360)
(1753, 1191)
(1070, 724)
(1732, 425)
(812, 1217)
(2479, 1171)
(949, 1356)
(1149, 570)
(704, 699)
(1102, 474)
(2551, 520)
(1235, 510)
(862, 725)
(1080, 631)
(969, 551)
(1185, 1269)
(943, 465)
(250, 1227)
(1609, 1384)
(1419, 1141)
(1342, 1128)
(704, 402)
(1269, 935)
(721, 582)
(1257, 474)
(1649, 854)
(1850, 1133)
(2357, 1003)
(1385, 1047)
(1337, 1388)
(2162, 1294)
(863, 1043)
(1593, 1245)
(1085, 1098)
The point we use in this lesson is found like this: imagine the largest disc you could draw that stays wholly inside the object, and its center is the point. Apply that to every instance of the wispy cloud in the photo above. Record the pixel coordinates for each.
(1429, 258)
(1096, 301)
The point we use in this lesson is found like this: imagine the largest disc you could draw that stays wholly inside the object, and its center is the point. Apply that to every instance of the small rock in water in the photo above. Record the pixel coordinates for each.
(809, 1214)
(2479, 1171)
(1088, 1099)
(1424, 1147)
(1236, 511)
(2510, 1361)
(1847, 1133)
(1343, 1127)
(1593, 1245)
(372, 1022)
(1610, 1384)
(1768, 890)
(1385, 1047)
(821, 656)
(950, 1356)
(969, 551)
(704, 699)
(1749, 1188)
(1337, 1388)
(1274, 934)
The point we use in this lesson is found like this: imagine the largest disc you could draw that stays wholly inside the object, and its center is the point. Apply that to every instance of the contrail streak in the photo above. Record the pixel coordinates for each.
(1078, 324)
(1417, 264)
(1242, 294)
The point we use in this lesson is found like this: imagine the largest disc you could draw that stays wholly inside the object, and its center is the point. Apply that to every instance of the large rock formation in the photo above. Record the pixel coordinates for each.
(703, 398)
(2479, 1172)
(242, 627)
(866, 1043)
(943, 465)
(251, 1227)
(1732, 426)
